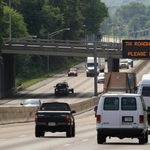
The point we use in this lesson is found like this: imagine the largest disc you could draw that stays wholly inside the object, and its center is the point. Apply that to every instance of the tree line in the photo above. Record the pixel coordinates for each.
(42, 17)
(130, 20)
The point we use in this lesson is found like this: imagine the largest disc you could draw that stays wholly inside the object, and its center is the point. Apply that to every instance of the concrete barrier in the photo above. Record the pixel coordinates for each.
(27, 114)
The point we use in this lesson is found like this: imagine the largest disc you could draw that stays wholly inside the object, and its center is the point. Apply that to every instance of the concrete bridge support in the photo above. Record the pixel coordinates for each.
(113, 65)
(7, 75)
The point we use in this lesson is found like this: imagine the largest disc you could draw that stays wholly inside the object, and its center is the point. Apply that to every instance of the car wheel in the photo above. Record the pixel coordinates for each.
(146, 137)
(128, 67)
(142, 140)
(73, 130)
(37, 131)
(42, 132)
(100, 139)
(72, 91)
(69, 132)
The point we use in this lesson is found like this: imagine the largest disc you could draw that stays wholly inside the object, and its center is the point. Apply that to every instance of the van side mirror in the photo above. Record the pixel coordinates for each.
(73, 111)
(95, 109)
(148, 109)
(135, 88)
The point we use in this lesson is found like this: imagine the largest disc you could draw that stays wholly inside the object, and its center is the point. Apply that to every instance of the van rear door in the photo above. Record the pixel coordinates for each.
(110, 116)
(129, 112)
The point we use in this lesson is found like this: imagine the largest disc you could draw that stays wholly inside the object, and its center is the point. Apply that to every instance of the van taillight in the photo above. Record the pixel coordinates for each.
(148, 117)
(141, 118)
(67, 117)
(98, 118)
(36, 117)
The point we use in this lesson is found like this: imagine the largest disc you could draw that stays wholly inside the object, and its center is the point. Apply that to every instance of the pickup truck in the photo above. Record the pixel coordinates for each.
(54, 117)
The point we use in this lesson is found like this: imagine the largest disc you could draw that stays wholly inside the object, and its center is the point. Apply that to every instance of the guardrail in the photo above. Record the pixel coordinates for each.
(61, 47)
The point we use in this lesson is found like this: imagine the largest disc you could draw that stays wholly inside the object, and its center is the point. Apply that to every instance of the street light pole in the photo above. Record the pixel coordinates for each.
(49, 36)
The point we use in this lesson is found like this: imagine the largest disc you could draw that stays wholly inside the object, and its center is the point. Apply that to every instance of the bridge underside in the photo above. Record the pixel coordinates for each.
(7, 75)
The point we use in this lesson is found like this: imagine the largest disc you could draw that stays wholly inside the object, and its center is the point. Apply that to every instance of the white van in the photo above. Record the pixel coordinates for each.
(122, 116)
(144, 90)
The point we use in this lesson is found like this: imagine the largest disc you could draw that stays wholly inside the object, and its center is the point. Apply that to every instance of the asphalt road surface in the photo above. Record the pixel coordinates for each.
(22, 137)
(83, 88)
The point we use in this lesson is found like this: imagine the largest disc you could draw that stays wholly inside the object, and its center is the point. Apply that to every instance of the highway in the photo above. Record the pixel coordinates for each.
(83, 88)
(22, 137)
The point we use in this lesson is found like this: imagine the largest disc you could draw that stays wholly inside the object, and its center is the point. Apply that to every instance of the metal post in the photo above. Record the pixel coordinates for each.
(95, 70)
(9, 20)
(48, 66)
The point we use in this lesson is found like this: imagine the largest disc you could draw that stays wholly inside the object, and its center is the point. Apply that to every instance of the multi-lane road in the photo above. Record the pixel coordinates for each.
(21, 136)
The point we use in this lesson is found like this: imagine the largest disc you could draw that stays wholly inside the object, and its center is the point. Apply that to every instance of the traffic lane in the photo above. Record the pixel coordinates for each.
(22, 136)
(83, 89)
(111, 144)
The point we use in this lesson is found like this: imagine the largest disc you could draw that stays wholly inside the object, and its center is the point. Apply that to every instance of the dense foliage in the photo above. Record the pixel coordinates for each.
(3, 26)
(42, 17)
(130, 20)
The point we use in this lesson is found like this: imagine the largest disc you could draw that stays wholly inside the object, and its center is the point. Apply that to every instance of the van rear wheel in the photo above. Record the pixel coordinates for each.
(142, 139)
(101, 139)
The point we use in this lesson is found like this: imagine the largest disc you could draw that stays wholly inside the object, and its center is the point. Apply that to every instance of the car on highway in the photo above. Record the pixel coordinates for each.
(31, 103)
(72, 72)
(101, 77)
(122, 115)
(123, 64)
(54, 117)
(129, 61)
(62, 89)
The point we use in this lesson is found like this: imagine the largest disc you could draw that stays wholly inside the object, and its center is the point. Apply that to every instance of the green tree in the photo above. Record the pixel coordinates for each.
(53, 21)
(94, 12)
(3, 27)
(18, 26)
(31, 11)
(130, 10)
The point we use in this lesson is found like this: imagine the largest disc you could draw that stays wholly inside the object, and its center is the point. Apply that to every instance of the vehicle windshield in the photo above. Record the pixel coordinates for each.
(55, 107)
(61, 85)
(91, 64)
(146, 91)
(31, 102)
(72, 69)
(101, 75)
(123, 61)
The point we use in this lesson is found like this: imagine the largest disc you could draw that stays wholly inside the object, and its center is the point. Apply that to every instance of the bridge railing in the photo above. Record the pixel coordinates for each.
(71, 44)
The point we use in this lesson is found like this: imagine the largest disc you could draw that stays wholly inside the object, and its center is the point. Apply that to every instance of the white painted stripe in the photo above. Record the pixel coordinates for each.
(22, 135)
(67, 144)
(85, 140)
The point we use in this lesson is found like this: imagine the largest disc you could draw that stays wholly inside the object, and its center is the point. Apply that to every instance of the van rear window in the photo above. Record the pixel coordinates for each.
(111, 103)
(128, 103)
(146, 91)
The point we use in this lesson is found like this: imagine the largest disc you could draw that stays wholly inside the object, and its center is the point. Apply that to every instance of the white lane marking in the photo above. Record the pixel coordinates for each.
(22, 135)
(85, 140)
(67, 144)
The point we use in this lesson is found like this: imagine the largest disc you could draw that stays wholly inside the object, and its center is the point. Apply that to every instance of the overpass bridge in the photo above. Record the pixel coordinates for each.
(61, 48)
(109, 50)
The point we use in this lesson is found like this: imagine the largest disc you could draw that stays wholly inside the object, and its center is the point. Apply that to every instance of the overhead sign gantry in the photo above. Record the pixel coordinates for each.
(136, 48)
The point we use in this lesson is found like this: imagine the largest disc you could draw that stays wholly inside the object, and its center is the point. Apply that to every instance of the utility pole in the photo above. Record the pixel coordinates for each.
(95, 70)
(9, 20)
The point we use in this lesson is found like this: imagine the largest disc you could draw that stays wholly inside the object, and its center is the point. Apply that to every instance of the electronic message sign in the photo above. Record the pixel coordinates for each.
(136, 49)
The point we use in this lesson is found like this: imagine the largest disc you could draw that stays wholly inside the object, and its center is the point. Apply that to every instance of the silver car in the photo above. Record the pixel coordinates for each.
(101, 77)
(31, 103)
